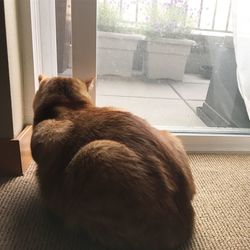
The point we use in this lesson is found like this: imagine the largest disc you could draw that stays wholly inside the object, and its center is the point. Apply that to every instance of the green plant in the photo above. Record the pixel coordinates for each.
(168, 21)
(107, 18)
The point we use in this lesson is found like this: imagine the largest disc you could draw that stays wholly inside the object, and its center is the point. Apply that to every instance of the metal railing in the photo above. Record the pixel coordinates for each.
(215, 15)
(201, 13)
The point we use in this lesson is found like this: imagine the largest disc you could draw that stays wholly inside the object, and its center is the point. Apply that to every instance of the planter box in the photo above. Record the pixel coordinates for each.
(166, 58)
(115, 53)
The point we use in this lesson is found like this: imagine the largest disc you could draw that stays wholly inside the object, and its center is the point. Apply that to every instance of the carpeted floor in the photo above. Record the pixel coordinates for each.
(222, 205)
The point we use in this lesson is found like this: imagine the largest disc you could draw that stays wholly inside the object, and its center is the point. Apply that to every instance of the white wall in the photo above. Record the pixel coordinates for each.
(20, 56)
(14, 64)
(25, 34)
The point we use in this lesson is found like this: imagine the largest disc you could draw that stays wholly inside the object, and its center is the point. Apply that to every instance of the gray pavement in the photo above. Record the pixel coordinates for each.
(161, 102)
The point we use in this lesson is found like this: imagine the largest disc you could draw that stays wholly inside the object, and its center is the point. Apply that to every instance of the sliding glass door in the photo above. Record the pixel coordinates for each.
(173, 63)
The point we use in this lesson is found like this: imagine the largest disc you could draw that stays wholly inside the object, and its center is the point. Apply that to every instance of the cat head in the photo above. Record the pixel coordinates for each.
(60, 91)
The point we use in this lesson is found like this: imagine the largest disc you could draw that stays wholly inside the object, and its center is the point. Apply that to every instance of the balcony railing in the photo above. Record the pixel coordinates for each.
(209, 15)
(221, 18)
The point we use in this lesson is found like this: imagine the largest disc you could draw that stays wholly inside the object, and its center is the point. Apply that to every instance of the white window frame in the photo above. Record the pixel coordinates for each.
(84, 67)
(43, 26)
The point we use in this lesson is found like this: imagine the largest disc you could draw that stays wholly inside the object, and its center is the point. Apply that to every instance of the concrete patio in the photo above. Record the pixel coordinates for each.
(160, 102)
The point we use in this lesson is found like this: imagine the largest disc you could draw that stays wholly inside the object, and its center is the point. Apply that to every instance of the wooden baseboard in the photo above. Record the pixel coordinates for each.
(15, 154)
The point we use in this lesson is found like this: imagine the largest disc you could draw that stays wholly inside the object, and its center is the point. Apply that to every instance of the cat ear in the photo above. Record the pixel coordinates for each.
(90, 82)
(41, 78)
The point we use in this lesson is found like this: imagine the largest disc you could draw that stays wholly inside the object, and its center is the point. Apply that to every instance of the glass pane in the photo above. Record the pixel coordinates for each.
(171, 62)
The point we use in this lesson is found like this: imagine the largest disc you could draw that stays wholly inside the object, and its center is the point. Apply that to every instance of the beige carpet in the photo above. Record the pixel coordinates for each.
(222, 207)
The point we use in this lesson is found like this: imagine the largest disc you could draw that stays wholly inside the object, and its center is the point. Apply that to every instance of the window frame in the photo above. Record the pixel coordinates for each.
(43, 26)
(84, 67)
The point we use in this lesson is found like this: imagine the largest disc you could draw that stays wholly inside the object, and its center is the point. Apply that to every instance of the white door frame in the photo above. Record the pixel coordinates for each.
(43, 25)
(84, 67)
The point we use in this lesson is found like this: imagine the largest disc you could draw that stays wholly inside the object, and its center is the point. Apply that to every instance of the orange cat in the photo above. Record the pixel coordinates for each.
(109, 171)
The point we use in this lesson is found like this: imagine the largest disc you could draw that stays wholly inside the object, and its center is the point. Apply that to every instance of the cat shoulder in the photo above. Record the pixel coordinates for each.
(50, 135)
